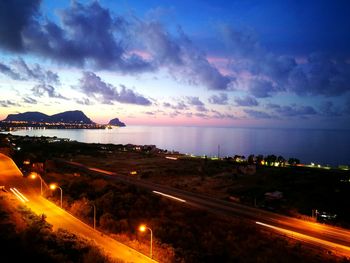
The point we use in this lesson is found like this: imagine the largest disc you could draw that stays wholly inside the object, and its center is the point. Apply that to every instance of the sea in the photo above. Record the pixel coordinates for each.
(324, 147)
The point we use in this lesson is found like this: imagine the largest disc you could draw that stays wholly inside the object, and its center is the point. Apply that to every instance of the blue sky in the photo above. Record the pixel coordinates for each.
(212, 63)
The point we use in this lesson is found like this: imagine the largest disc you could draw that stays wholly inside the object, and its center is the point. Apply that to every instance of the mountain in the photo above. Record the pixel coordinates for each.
(71, 117)
(28, 116)
(116, 122)
(65, 117)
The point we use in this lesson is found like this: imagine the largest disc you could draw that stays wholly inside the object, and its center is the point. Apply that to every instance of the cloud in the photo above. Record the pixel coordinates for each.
(29, 100)
(87, 35)
(8, 103)
(219, 115)
(347, 106)
(246, 101)
(35, 73)
(257, 114)
(261, 88)
(292, 110)
(201, 115)
(19, 70)
(181, 57)
(129, 96)
(90, 36)
(6, 70)
(84, 101)
(92, 85)
(220, 99)
(195, 101)
(179, 106)
(42, 89)
(327, 108)
(321, 74)
(15, 16)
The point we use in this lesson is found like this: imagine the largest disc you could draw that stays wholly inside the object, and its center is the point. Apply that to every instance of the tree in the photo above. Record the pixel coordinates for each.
(251, 159)
(293, 161)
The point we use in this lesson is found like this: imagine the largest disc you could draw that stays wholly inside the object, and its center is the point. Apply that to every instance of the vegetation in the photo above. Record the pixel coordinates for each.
(183, 234)
(27, 237)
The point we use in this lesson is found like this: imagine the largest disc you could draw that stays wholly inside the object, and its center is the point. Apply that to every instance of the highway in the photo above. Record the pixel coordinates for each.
(12, 178)
(317, 235)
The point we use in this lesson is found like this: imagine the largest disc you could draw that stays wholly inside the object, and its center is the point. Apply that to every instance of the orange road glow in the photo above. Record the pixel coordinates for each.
(338, 248)
(20, 196)
(170, 196)
(25, 199)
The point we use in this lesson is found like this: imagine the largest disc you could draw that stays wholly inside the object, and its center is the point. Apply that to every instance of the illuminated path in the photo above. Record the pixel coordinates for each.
(316, 235)
(11, 177)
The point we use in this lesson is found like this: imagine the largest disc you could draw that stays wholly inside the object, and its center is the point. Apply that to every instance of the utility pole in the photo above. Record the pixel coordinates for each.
(218, 150)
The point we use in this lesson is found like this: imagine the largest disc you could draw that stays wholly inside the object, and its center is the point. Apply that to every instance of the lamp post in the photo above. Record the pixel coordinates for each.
(34, 175)
(53, 187)
(143, 228)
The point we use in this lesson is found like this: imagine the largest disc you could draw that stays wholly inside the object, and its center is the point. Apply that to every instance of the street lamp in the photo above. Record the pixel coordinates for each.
(143, 228)
(53, 187)
(33, 176)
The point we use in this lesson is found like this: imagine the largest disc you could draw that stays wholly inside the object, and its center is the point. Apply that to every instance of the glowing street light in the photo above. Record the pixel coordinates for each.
(53, 187)
(33, 176)
(142, 228)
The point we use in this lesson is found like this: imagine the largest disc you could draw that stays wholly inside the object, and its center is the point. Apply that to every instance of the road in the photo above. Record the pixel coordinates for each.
(317, 235)
(11, 177)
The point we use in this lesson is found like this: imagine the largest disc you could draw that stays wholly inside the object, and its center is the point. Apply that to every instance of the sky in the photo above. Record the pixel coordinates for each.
(283, 64)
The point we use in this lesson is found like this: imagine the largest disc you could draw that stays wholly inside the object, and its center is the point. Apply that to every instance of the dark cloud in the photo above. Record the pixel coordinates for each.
(19, 70)
(179, 106)
(321, 74)
(42, 89)
(29, 100)
(87, 35)
(92, 85)
(292, 110)
(327, 108)
(15, 16)
(129, 96)
(8, 103)
(181, 57)
(84, 101)
(36, 72)
(261, 88)
(195, 101)
(90, 36)
(246, 101)
(257, 114)
(6, 70)
(220, 99)
(347, 106)
(219, 115)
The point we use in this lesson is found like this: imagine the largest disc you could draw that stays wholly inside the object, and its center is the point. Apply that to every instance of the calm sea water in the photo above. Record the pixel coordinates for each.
(320, 146)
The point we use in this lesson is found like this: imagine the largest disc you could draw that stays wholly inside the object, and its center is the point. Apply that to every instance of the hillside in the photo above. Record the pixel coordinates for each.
(64, 117)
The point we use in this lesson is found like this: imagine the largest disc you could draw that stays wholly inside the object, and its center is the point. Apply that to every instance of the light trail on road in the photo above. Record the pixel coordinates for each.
(170, 196)
(320, 236)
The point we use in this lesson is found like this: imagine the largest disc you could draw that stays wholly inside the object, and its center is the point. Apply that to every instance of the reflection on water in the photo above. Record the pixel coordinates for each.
(321, 146)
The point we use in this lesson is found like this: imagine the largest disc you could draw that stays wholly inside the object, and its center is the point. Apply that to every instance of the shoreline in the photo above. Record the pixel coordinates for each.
(238, 159)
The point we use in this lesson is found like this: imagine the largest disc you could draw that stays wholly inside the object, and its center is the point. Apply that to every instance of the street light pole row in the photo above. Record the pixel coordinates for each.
(53, 187)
